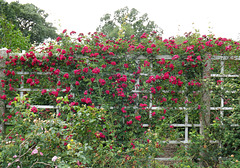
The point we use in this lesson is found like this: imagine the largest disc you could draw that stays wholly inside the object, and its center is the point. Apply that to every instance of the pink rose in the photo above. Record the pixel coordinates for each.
(54, 158)
(35, 151)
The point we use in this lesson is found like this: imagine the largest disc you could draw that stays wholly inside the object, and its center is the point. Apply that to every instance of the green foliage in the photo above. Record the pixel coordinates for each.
(75, 139)
(106, 96)
(10, 37)
(30, 20)
(221, 147)
(125, 23)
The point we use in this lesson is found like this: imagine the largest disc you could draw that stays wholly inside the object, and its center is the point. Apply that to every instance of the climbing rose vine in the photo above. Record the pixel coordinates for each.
(107, 93)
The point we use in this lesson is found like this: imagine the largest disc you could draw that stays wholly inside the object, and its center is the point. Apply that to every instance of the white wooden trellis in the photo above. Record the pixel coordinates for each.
(186, 126)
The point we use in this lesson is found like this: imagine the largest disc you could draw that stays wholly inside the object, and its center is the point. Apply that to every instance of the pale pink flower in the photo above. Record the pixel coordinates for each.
(35, 151)
(54, 158)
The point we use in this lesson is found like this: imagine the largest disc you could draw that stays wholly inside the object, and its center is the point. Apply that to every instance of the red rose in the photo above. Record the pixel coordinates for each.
(34, 109)
(96, 70)
(77, 83)
(66, 75)
(149, 50)
(129, 122)
(138, 118)
(102, 82)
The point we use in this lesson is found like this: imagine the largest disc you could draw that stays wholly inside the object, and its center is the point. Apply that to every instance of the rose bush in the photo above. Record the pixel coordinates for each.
(106, 93)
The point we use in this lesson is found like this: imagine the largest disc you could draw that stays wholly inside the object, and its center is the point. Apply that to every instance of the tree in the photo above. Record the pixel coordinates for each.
(3, 6)
(126, 23)
(12, 38)
(30, 20)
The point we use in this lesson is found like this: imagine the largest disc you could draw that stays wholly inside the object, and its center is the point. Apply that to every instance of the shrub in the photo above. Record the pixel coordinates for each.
(107, 92)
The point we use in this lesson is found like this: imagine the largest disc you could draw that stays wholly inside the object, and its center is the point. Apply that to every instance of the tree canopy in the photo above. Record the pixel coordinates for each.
(125, 23)
(29, 19)
(12, 38)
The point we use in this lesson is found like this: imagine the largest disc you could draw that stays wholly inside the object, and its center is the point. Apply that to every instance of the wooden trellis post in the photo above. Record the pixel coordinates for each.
(2, 105)
(205, 114)
(206, 98)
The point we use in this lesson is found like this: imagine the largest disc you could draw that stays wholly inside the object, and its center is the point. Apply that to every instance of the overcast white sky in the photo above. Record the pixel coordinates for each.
(174, 16)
